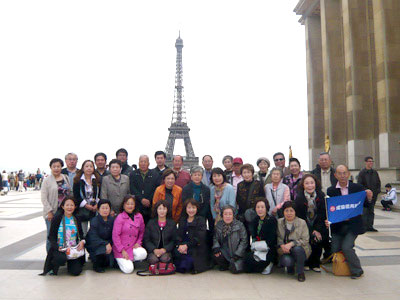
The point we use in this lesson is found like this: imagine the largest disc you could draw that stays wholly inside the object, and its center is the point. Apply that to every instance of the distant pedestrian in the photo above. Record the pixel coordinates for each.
(21, 181)
(4, 179)
(390, 198)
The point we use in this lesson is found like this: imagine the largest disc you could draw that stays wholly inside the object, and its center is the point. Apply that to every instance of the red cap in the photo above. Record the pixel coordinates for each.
(237, 160)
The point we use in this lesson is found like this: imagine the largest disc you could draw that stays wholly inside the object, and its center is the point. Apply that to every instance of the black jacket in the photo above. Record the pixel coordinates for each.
(317, 173)
(126, 169)
(355, 223)
(205, 210)
(301, 206)
(65, 171)
(370, 180)
(99, 235)
(80, 192)
(243, 199)
(267, 234)
(159, 173)
(152, 235)
(143, 188)
(197, 244)
(54, 255)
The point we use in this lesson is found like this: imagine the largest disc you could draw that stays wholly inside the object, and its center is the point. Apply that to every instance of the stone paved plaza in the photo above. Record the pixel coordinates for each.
(22, 253)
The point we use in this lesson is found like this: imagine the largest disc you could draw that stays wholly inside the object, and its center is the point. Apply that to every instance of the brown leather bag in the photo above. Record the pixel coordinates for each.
(339, 265)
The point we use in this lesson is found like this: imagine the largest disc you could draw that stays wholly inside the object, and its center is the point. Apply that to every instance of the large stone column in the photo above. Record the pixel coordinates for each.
(359, 97)
(387, 49)
(315, 89)
(334, 82)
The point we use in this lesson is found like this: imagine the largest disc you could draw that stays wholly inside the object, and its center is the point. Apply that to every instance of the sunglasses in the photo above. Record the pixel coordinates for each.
(279, 159)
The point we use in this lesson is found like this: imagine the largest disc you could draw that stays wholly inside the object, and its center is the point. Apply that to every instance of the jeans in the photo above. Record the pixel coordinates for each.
(386, 203)
(344, 240)
(297, 256)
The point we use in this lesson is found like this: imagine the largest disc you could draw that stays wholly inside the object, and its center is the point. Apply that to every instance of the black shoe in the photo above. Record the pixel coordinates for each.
(373, 230)
(301, 277)
(357, 275)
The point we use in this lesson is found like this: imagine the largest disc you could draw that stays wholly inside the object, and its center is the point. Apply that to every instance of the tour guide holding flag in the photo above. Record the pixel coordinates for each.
(344, 233)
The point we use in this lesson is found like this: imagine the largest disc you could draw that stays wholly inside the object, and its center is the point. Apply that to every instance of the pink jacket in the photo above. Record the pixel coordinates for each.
(127, 233)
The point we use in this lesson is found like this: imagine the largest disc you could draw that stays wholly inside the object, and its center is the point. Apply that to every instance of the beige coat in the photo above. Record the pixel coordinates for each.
(49, 194)
(299, 235)
(114, 191)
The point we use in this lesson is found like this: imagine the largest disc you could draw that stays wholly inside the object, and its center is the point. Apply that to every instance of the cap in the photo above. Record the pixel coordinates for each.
(237, 160)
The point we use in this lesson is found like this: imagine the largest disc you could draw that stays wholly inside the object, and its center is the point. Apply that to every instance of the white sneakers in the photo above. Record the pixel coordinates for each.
(268, 269)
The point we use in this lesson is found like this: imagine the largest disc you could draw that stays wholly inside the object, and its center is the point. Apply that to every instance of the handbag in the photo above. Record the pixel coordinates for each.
(158, 269)
(339, 265)
(72, 252)
(84, 214)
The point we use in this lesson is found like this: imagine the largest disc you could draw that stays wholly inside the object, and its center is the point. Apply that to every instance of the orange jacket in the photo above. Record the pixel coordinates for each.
(159, 194)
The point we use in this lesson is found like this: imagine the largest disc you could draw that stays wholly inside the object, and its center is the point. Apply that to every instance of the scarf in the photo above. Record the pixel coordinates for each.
(311, 206)
(226, 229)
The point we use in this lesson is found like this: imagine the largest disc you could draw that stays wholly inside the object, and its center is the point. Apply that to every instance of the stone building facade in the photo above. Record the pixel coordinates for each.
(353, 75)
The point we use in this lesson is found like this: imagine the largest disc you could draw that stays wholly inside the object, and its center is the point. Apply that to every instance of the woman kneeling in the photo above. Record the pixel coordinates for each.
(127, 235)
(65, 237)
(263, 247)
(230, 241)
(293, 241)
(160, 235)
(191, 254)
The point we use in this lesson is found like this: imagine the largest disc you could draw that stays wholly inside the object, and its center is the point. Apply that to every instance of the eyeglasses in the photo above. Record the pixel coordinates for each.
(279, 159)
(370, 161)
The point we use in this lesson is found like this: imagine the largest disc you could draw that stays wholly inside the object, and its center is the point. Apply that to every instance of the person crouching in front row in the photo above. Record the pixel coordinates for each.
(65, 233)
(230, 242)
(127, 235)
(160, 235)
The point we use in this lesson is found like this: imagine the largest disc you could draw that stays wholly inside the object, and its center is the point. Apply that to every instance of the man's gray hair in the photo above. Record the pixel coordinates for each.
(144, 156)
(71, 153)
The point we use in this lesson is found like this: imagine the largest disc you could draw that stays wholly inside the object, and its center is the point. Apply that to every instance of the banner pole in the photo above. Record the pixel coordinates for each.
(326, 210)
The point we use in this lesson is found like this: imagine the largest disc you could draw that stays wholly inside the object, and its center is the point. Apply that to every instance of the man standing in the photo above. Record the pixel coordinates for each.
(71, 159)
(183, 177)
(345, 233)
(143, 183)
(21, 180)
(236, 175)
(160, 157)
(100, 159)
(325, 172)
(122, 155)
(369, 178)
(279, 160)
(207, 164)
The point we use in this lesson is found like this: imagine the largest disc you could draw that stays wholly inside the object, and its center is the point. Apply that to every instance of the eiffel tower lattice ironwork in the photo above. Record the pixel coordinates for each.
(179, 128)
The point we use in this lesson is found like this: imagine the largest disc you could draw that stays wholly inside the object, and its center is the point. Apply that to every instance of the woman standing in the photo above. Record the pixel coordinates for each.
(115, 186)
(55, 189)
(247, 191)
(65, 233)
(198, 191)
(293, 179)
(230, 242)
(171, 193)
(99, 237)
(310, 206)
(263, 247)
(86, 192)
(221, 193)
(227, 161)
(262, 175)
(160, 235)
(127, 235)
(192, 251)
(293, 241)
(277, 193)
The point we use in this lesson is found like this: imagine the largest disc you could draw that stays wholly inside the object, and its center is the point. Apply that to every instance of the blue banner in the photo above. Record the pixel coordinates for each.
(341, 208)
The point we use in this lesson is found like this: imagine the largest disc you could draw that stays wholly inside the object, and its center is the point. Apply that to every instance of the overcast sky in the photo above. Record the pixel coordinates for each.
(90, 76)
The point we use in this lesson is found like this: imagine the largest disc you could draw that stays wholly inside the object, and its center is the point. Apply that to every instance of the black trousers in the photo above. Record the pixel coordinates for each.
(103, 261)
(369, 215)
(74, 266)
(225, 264)
(386, 203)
(253, 266)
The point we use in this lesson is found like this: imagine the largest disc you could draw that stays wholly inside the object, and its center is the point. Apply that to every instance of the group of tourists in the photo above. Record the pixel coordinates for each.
(236, 219)
(19, 181)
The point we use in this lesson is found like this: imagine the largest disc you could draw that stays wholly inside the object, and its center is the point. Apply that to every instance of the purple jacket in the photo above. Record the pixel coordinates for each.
(127, 233)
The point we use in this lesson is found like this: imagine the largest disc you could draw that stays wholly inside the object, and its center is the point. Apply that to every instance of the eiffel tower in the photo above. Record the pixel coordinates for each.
(179, 128)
